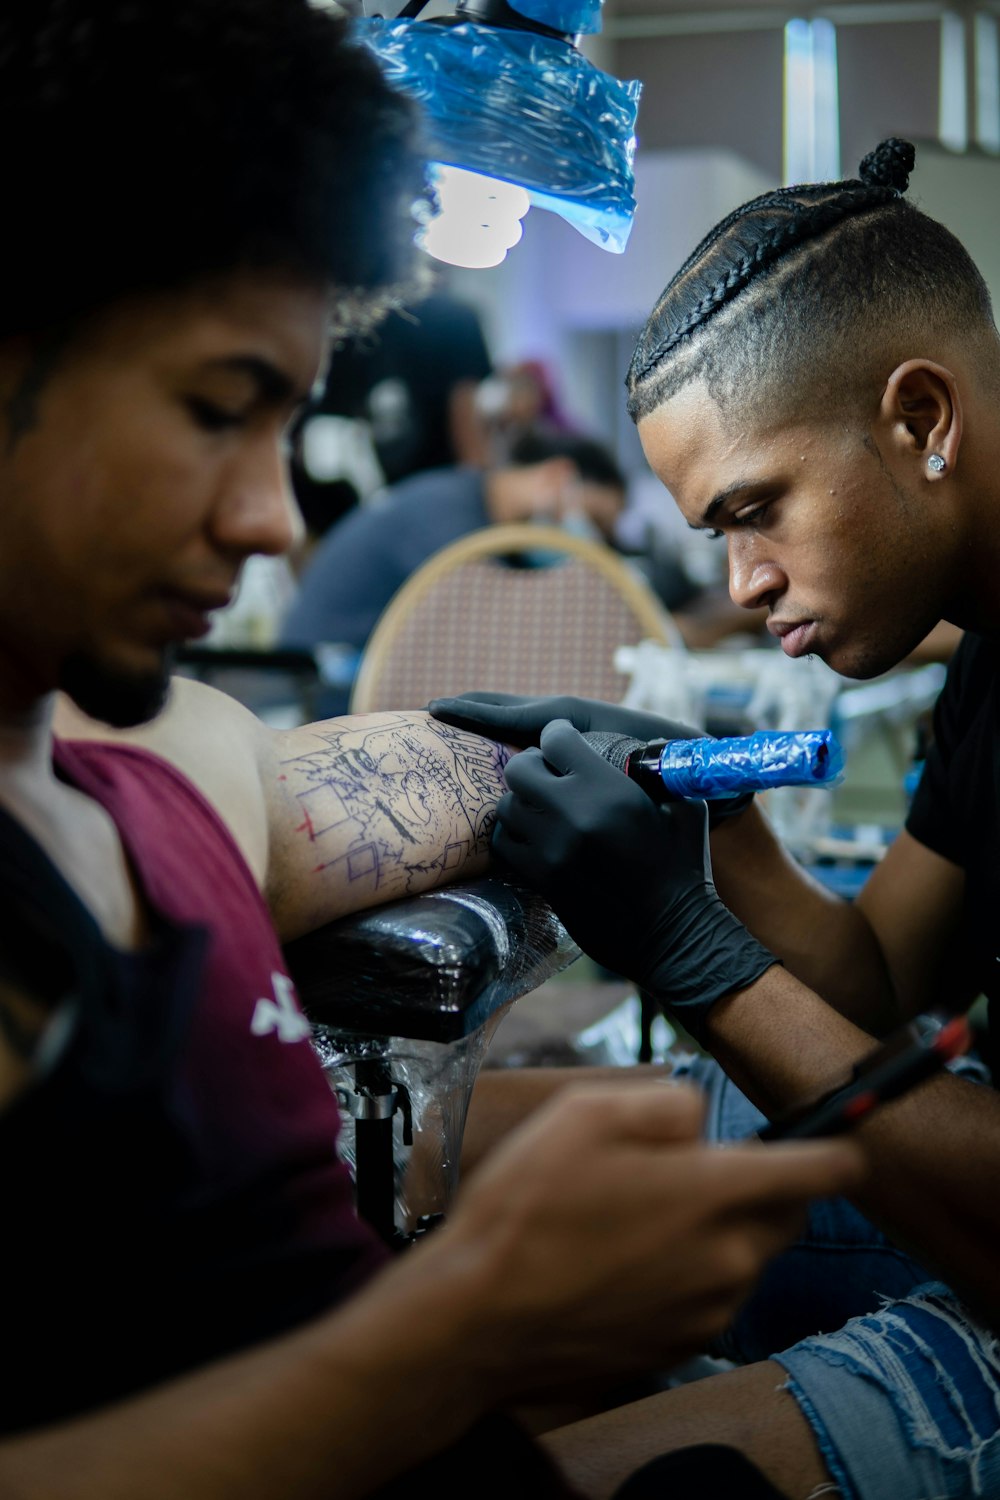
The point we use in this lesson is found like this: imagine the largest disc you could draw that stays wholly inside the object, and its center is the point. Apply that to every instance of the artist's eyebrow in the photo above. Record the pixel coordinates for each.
(273, 384)
(735, 488)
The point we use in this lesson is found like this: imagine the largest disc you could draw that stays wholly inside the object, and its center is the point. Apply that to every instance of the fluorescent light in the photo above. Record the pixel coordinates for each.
(478, 220)
(812, 113)
(987, 83)
(953, 116)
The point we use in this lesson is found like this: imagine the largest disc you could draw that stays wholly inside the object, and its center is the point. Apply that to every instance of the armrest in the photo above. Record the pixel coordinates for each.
(433, 966)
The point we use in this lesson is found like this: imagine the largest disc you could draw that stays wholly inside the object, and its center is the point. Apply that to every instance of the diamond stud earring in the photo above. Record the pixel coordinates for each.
(937, 463)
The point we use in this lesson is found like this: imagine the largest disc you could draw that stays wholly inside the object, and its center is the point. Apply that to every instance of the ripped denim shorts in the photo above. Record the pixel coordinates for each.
(898, 1382)
(905, 1401)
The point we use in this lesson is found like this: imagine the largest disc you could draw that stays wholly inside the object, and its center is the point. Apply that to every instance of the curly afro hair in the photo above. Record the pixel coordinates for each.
(149, 143)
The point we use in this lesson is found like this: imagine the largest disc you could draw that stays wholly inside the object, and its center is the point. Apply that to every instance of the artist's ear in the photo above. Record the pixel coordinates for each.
(921, 413)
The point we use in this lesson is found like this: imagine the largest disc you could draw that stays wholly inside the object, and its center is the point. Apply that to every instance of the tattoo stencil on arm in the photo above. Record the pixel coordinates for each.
(397, 801)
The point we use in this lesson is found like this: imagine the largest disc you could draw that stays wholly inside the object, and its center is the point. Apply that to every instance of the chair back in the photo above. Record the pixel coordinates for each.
(468, 618)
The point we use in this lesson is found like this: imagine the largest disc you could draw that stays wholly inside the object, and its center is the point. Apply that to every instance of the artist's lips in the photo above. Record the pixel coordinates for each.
(796, 636)
(188, 614)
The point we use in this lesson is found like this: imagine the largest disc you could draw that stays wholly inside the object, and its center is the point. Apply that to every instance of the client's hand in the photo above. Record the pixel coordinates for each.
(606, 1235)
(631, 881)
(516, 720)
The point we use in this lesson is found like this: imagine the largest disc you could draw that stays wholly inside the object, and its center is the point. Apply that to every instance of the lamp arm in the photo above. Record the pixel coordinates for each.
(482, 12)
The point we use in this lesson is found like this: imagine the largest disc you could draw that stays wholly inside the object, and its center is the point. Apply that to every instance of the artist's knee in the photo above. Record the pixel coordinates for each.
(504, 1097)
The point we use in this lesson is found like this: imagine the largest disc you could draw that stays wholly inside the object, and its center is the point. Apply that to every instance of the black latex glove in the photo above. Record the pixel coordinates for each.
(516, 720)
(519, 720)
(631, 881)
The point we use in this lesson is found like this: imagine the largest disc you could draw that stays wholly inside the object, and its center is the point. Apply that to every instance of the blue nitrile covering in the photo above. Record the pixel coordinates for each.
(522, 107)
(705, 768)
(573, 17)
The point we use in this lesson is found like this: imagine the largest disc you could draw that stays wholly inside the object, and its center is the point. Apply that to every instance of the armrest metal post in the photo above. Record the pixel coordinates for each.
(375, 1177)
(403, 999)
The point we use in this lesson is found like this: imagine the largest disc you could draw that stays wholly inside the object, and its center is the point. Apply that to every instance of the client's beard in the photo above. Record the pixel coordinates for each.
(114, 697)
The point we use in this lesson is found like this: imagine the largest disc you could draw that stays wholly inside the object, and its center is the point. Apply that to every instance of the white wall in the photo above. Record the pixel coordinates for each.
(559, 298)
(963, 192)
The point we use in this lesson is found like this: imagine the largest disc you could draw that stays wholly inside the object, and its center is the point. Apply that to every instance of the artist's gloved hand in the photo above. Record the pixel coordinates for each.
(631, 881)
(517, 720)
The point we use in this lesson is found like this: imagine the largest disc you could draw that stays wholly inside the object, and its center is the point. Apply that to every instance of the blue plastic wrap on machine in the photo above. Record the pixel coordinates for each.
(720, 768)
(523, 107)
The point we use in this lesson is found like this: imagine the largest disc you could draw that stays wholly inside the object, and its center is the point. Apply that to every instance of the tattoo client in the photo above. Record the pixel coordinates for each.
(194, 1308)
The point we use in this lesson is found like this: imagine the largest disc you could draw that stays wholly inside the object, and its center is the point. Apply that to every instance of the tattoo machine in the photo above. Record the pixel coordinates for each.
(716, 769)
(914, 1053)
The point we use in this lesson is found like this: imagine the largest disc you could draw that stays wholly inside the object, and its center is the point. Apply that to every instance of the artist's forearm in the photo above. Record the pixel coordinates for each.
(369, 808)
(824, 941)
(930, 1153)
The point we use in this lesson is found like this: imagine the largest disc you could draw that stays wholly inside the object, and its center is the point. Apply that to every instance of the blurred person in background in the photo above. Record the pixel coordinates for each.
(397, 401)
(519, 399)
(561, 479)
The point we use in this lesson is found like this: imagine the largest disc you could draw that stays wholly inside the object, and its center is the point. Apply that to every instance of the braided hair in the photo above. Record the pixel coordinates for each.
(821, 266)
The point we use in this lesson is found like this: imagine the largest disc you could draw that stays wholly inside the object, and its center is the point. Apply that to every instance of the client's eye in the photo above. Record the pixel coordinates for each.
(211, 417)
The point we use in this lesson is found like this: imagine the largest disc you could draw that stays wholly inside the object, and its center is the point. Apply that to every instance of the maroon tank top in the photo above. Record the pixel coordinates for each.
(174, 1193)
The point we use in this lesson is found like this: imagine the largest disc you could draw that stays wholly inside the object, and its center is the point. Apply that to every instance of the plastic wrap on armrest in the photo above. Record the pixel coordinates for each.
(434, 966)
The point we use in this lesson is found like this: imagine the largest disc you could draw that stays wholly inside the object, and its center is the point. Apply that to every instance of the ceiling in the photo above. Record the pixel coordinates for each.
(700, 16)
(694, 16)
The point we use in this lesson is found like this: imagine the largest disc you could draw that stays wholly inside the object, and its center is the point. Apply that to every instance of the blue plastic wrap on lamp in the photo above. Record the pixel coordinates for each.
(524, 108)
(580, 17)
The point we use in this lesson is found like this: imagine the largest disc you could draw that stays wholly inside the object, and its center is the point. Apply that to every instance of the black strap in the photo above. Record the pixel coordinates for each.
(52, 948)
(49, 942)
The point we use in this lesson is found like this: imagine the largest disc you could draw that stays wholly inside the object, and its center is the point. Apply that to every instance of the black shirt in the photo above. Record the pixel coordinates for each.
(956, 808)
(398, 381)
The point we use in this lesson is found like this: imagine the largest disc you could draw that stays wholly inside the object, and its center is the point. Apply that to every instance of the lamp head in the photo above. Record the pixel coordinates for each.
(516, 116)
(565, 19)
(499, 13)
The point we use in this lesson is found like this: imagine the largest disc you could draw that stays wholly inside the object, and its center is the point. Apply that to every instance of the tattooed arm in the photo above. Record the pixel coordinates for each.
(366, 809)
(336, 816)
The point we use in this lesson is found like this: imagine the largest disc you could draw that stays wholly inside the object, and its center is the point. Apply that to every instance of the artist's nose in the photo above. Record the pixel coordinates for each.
(755, 577)
(257, 510)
